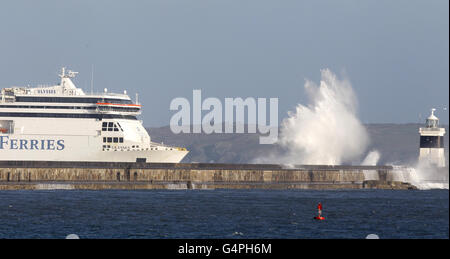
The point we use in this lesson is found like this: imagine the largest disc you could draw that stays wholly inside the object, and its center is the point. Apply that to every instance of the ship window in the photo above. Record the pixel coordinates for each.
(46, 107)
(63, 115)
(118, 124)
(104, 124)
(110, 129)
(71, 100)
(120, 140)
(116, 140)
(109, 139)
(104, 129)
(104, 140)
(110, 124)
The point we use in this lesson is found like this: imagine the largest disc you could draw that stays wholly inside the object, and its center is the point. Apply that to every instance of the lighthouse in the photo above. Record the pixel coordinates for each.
(432, 143)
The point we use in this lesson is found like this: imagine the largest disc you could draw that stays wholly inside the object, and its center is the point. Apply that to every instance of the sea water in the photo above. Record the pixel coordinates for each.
(252, 214)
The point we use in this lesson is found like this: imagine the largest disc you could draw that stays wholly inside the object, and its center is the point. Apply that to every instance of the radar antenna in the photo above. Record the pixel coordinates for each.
(70, 73)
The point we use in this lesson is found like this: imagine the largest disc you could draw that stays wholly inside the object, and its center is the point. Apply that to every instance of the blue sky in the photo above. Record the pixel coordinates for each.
(395, 53)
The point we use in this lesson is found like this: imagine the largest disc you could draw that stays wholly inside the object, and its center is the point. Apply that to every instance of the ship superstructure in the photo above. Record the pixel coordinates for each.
(63, 123)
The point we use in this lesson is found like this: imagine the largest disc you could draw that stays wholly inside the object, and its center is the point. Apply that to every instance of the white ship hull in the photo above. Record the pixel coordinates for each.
(76, 155)
(52, 139)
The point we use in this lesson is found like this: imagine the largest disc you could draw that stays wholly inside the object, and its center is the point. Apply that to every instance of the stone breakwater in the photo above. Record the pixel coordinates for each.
(16, 175)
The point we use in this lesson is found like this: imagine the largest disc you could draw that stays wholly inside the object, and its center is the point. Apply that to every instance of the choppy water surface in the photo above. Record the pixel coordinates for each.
(224, 214)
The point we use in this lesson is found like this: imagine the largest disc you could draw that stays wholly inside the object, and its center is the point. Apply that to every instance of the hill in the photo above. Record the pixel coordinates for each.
(397, 143)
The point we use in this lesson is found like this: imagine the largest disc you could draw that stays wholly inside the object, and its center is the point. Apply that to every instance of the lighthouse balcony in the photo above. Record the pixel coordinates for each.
(432, 131)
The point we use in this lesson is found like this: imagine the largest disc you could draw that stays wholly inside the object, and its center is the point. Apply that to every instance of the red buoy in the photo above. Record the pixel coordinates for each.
(319, 208)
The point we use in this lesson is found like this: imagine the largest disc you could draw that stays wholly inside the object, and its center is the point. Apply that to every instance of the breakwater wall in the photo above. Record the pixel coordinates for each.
(97, 175)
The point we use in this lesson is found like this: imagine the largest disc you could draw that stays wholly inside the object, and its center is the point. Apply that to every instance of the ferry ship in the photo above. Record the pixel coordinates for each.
(63, 123)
